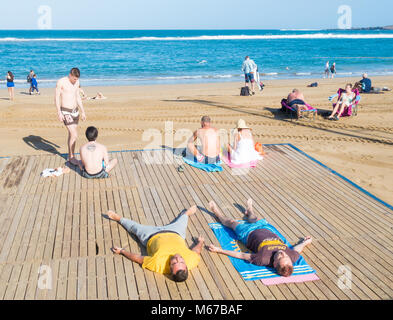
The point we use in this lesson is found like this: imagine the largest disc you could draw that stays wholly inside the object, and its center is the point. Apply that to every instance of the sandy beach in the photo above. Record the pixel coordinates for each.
(360, 148)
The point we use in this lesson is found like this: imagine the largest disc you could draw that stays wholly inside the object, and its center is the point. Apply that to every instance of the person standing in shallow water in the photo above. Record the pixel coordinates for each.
(10, 84)
(327, 70)
(333, 69)
(68, 102)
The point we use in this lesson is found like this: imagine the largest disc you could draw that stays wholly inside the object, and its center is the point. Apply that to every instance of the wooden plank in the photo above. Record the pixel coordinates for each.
(81, 293)
(72, 279)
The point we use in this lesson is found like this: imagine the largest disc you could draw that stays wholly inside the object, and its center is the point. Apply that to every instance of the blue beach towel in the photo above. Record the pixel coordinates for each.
(211, 167)
(249, 271)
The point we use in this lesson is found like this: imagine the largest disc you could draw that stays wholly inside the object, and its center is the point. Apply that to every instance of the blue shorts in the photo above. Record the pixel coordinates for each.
(249, 77)
(243, 230)
(10, 85)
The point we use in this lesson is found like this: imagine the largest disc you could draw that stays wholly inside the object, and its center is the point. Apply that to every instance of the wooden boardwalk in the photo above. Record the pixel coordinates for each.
(57, 224)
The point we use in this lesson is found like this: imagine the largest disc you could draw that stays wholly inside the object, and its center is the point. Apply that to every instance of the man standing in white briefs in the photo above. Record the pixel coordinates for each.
(68, 102)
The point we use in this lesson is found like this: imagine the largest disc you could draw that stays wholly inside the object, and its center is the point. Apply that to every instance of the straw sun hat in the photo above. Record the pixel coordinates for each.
(241, 124)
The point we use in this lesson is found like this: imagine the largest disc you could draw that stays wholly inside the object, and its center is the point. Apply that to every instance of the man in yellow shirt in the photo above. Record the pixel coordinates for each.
(166, 246)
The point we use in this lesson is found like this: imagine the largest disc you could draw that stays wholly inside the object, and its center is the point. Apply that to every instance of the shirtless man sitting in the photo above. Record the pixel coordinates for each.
(296, 100)
(209, 152)
(95, 162)
(67, 102)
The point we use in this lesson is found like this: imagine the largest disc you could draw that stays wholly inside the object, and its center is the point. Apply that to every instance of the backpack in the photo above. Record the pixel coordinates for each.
(29, 78)
(245, 91)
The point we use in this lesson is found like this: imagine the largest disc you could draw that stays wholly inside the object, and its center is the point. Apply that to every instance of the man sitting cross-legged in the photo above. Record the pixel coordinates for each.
(267, 247)
(166, 247)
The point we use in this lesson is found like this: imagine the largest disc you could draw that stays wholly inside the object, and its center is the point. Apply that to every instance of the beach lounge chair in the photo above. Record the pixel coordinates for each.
(352, 110)
(292, 111)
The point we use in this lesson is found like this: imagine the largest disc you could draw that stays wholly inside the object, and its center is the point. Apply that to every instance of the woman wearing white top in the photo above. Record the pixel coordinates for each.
(346, 99)
(243, 150)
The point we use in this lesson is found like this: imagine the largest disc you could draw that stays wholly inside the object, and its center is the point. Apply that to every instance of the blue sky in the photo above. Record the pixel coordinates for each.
(196, 14)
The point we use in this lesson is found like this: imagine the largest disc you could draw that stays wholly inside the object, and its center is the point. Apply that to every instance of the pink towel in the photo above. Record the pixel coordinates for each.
(228, 162)
(291, 279)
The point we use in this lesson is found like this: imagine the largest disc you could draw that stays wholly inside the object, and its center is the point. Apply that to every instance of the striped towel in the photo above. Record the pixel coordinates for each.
(228, 240)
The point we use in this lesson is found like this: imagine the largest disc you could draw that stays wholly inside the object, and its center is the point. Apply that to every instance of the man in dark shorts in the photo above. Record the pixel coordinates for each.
(249, 68)
(267, 247)
(209, 151)
(95, 163)
(296, 101)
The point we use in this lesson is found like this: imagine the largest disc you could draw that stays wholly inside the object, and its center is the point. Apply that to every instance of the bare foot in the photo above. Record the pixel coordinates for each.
(307, 240)
(249, 207)
(213, 206)
(113, 216)
(192, 210)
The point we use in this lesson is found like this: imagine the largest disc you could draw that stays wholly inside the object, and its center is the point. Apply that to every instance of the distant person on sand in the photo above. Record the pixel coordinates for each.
(333, 69)
(347, 98)
(243, 149)
(365, 86)
(266, 247)
(82, 93)
(34, 84)
(296, 100)
(249, 68)
(29, 77)
(10, 84)
(68, 102)
(98, 96)
(95, 162)
(209, 152)
(167, 251)
(327, 70)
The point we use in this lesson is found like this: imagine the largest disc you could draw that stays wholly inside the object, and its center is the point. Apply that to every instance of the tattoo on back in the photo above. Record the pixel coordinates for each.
(91, 148)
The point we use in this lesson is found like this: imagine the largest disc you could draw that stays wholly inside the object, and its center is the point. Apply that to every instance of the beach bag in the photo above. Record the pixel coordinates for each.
(314, 84)
(245, 91)
(259, 148)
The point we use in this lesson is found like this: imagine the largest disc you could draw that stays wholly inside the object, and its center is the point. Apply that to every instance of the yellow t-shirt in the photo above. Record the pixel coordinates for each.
(162, 247)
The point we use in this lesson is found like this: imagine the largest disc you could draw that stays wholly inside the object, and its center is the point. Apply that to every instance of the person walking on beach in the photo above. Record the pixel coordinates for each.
(29, 78)
(327, 70)
(266, 247)
(68, 102)
(34, 84)
(10, 84)
(94, 157)
(333, 69)
(166, 247)
(249, 68)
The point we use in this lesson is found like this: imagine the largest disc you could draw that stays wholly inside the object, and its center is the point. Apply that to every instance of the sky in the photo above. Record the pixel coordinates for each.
(196, 14)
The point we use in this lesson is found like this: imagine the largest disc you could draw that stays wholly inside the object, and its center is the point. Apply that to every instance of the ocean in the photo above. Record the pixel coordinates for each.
(131, 57)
